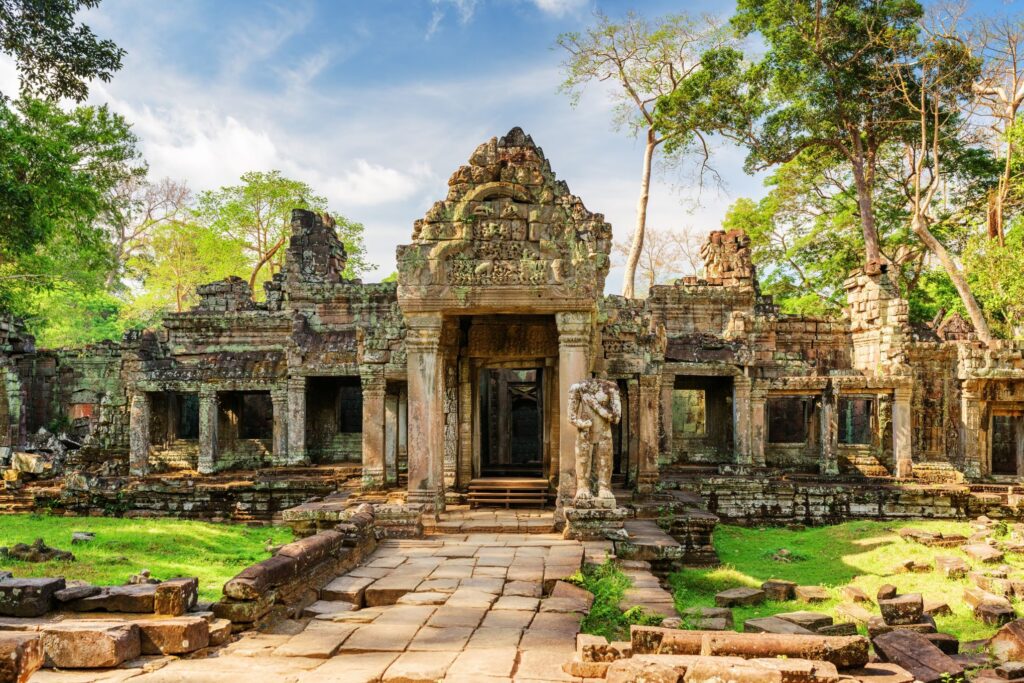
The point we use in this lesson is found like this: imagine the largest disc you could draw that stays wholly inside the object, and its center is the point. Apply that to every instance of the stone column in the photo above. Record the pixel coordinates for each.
(829, 433)
(138, 434)
(970, 431)
(758, 430)
(297, 421)
(741, 406)
(402, 464)
(279, 399)
(647, 465)
(574, 331)
(373, 427)
(426, 410)
(209, 409)
(465, 453)
(901, 432)
(390, 438)
(667, 397)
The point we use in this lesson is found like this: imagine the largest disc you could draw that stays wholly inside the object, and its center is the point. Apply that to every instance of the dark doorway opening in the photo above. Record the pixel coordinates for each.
(511, 422)
(1007, 443)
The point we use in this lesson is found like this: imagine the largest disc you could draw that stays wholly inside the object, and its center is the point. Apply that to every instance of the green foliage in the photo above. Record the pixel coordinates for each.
(862, 553)
(55, 56)
(122, 547)
(997, 278)
(609, 584)
(75, 316)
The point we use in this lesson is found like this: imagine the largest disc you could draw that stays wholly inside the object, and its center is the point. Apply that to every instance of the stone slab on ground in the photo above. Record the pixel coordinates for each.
(735, 597)
(903, 609)
(419, 667)
(983, 552)
(773, 625)
(779, 590)
(28, 597)
(811, 594)
(951, 567)
(320, 640)
(367, 667)
(380, 638)
(346, 588)
(917, 655)
(854, 594)
(133, 598)
(173, 635)
(812, 621)
(21, 655)
(1008, 642)
(90, 644)
(328, 607)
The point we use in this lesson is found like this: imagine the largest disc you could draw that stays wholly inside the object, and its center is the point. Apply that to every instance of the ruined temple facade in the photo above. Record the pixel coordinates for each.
(461, 370)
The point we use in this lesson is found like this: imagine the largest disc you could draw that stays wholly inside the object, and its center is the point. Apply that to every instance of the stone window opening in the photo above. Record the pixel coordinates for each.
(350, 408)
(187, 409)
(689, 412)
(856, 421)
(788, 418)
(255, 415)
(334, 419)
(702, 419)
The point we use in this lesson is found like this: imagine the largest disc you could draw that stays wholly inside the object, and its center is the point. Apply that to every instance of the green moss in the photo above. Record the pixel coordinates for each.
(122, 547)
(863, 554)
(609, 584)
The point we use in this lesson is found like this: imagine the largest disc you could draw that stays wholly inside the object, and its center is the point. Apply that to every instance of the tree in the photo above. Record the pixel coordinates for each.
(183, 254)
(136, 207)
(55, 56)
(823, 83)
(59, 169)
(646, 60)
(665, 255)
(257, 213)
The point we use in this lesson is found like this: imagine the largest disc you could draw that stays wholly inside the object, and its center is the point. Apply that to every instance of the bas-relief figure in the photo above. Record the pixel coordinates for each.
(594, 406)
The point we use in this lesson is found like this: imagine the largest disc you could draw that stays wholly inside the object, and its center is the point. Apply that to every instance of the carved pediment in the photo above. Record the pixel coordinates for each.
(506, 223)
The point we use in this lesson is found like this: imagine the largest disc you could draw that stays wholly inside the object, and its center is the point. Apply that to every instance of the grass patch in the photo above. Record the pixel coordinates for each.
(860, 553)
(122, 547)
(609, 584)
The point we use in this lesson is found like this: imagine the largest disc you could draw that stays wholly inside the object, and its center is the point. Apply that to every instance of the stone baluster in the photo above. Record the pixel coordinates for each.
(426, 411)
(138, 428)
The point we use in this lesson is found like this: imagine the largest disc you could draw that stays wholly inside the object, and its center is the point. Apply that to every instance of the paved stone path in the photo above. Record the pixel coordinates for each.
(467, 608)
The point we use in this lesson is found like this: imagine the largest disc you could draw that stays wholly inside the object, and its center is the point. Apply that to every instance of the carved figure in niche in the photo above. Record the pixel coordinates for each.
(594, 406)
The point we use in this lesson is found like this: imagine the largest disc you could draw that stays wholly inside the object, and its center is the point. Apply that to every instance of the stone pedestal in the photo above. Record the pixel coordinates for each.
(426, 414)
(901, 432)
(209, 407)
(373, 428)
(594, 523)
(139, 419)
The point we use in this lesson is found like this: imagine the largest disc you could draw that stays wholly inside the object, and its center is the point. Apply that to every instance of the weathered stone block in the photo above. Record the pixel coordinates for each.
(176, 596)
(28, 597)
(174, 636)
(90, 645)
(903, 609)
(21, 655)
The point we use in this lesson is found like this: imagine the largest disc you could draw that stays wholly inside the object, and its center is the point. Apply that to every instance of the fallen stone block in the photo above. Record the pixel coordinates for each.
(779, 590)
(949, 644)
(704, 618)
(773, 625)
(90, 645)
(903, 609)
(937, 608)
(812, 621)
(951, 567)
(21, 655)
(1011, 671)
(855, 612)
(739, 596)
(879, 672)
(886, 591)
(877, 626)
(173, 636)
(983, 552)
(176, 596)
(136, 598)
(846, 628)
(28, 597)
(76, 592)
(917, 655)
(761, 669)
(257, 579)
(994, 614)
(220, 632)
(854, 594)
(1008, 642)
(811, 594)
(842, 651)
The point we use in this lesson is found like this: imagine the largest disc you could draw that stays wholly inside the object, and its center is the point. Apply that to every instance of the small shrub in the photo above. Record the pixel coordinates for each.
(608, 584)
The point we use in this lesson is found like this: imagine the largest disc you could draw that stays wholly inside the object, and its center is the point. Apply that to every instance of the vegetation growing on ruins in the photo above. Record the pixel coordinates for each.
(122, 547)
(862, 554)
(609, 584)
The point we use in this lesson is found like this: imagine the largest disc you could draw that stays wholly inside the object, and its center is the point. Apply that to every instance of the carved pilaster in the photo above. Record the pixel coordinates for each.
(373, 426)
(901, 431)
(829, 460)
(209, 409)
(426, 411)
(297, 421)
(758, 429)
(279, 400)
(574, 337)
(741, 407)
(139, 421)
(970, 432)
(647, 470)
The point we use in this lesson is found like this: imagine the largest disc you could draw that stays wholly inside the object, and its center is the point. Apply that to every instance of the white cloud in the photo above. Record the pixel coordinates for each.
(369, 184)
(9, 84)
(560, 8)
(464, 8)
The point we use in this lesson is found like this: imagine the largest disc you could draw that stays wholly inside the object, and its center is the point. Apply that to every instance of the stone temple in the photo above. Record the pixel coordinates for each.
(452, 384)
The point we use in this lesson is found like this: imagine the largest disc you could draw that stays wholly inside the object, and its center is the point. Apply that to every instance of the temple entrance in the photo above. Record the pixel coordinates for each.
(1008, 443)
(511, 422)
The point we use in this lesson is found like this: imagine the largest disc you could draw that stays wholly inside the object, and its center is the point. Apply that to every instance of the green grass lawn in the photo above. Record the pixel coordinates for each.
(862, 554)
(122, 547)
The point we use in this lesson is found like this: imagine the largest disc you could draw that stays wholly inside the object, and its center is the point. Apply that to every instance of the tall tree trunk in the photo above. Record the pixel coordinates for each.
(636, 247)
(959, 281)
(865, 206)
(262, 262)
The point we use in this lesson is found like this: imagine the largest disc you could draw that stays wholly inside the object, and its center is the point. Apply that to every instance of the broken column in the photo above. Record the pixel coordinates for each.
(139, 418)
(209, 406)
(373, 426)
(426, 417)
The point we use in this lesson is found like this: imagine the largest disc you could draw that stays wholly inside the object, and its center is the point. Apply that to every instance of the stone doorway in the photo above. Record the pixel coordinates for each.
(511, 422)
(1008, 443)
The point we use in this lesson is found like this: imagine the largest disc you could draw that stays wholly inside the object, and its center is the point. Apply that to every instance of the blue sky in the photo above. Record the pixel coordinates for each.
(376, 102)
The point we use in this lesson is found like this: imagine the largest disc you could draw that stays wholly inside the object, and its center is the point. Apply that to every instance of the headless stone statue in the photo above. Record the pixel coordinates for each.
(594, 406)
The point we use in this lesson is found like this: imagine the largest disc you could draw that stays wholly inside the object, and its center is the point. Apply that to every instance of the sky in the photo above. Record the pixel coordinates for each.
(376, 103)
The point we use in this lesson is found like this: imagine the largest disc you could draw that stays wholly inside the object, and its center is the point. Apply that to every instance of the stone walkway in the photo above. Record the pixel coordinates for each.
(456, 608)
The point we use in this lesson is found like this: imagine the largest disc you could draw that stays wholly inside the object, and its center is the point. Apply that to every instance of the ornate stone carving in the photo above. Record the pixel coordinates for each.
(727, 255)
(594, 406)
